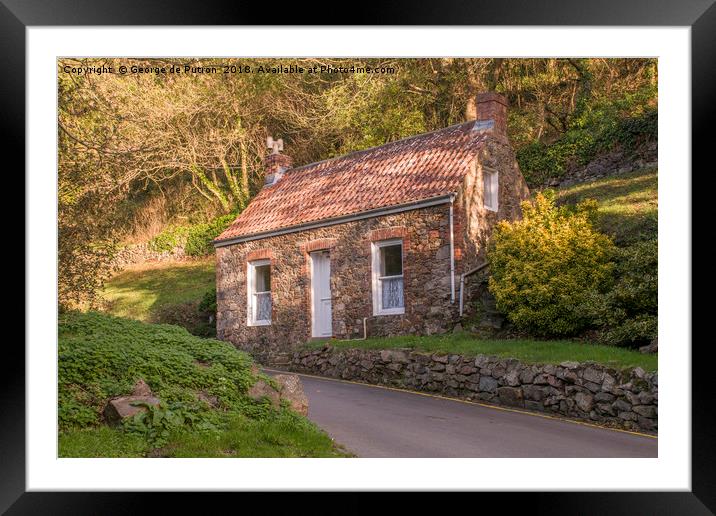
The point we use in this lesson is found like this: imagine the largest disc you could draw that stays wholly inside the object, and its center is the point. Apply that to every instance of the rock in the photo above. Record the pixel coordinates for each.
(646, 398)
(584, 401)
(602, 397)
(592, 375)
(488, 384)
(481, 361)
(627, 416)
(510, 396)
(457, 328)
(606, 408)
(263, 390)
(592, 386)
(141, 389)
(645, 423)
(467, 369)
(534, 405)
(512, 379)
(639, 372)
(621, 406)
(442, 359)
(292, 391)
(608, 383)
(540, 380)
(645, 410)
(123, 407)
(533, 392)
(570, 365)
(554, 381)
(207, 398)
(394, 355)
(652, 347)
(527, 375)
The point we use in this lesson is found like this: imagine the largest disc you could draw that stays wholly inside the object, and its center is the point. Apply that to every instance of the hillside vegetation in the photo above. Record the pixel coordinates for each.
(554, 276)
(141, 291)
(202, 385)
(628, 204)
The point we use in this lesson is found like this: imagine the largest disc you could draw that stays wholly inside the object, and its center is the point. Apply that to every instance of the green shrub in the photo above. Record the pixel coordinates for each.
(547, 269)
(208, 302)
(628, 312)
(170, 238)
(101, 357)
(200, 236)
(189, 316)
(196, 238)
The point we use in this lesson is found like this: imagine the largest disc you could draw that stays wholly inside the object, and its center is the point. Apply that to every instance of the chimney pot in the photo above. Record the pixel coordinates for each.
(493, 106)
(275, 163)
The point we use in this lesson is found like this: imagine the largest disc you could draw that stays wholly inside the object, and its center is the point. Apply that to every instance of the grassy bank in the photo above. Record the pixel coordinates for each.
(142, 291)
(528, 351)
(628, 204)
(202, 385)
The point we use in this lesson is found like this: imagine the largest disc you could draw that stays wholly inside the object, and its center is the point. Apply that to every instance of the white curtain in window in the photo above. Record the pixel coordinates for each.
(392, 292)
(263, 306)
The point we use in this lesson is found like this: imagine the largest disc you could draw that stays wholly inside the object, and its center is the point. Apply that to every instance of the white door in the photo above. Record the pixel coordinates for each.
(322, 317)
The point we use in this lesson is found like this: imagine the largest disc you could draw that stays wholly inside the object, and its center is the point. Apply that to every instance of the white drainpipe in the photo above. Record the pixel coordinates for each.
(452, 254)
(462, 281)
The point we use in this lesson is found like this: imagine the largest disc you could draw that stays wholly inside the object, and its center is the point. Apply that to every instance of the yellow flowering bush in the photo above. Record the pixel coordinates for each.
(550, 268)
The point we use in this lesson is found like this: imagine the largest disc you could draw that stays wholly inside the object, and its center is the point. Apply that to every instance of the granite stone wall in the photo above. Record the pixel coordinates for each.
(588, 391)
(425, 234)
(142, 253)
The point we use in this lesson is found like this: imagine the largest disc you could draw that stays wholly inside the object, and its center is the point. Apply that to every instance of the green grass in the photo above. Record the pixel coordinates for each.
(102, 442)
(101, 357)
(140, 292)
(285, 435)
(628, 204)
(528, 351)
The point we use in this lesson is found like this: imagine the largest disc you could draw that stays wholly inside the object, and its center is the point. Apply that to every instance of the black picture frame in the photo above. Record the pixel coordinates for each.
(17, 15)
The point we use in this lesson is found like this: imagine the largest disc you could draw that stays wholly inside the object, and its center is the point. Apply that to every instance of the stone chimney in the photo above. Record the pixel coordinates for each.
(493, 106)
(275, 163)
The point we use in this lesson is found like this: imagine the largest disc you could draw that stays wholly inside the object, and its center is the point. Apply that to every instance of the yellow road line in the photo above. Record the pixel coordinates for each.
(486, 405)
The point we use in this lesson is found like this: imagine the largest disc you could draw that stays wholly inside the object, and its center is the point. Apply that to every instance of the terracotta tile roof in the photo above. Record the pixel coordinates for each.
(413, 169)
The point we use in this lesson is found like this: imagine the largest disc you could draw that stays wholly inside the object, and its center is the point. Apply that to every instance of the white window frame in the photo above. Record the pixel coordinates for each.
(376, 277)
(494, 181)
(251, 293)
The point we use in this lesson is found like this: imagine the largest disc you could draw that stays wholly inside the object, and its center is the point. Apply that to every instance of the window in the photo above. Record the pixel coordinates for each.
(259, 292)
(490, 188)
(388, 278)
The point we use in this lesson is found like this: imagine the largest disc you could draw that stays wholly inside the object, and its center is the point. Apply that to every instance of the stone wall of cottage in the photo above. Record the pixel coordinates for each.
(425, 234)
(588, 391)
(475, 222)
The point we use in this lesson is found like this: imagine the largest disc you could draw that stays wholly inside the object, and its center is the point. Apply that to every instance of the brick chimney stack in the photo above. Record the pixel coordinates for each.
(275, 163)
(493, 106)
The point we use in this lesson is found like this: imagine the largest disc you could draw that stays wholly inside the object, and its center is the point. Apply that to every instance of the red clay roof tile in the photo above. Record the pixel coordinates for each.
(410, 170)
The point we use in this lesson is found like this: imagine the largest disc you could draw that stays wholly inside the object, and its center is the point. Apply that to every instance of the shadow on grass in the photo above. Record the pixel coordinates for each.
(141, 292)
(628, 204)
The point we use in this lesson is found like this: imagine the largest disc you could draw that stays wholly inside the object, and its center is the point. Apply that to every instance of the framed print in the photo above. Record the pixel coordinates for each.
(420, 256)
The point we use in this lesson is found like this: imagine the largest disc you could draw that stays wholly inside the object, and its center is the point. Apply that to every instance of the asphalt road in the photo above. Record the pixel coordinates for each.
(377, 422)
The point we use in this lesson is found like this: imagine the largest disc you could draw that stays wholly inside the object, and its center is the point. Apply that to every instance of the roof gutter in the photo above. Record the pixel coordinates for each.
(378, 212)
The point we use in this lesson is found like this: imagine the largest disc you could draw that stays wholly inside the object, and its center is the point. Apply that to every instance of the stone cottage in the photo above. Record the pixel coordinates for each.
(371, 243)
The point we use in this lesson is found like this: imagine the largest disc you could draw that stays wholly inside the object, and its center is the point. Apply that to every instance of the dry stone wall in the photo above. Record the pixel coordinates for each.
(587, 391)
(141, 253)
